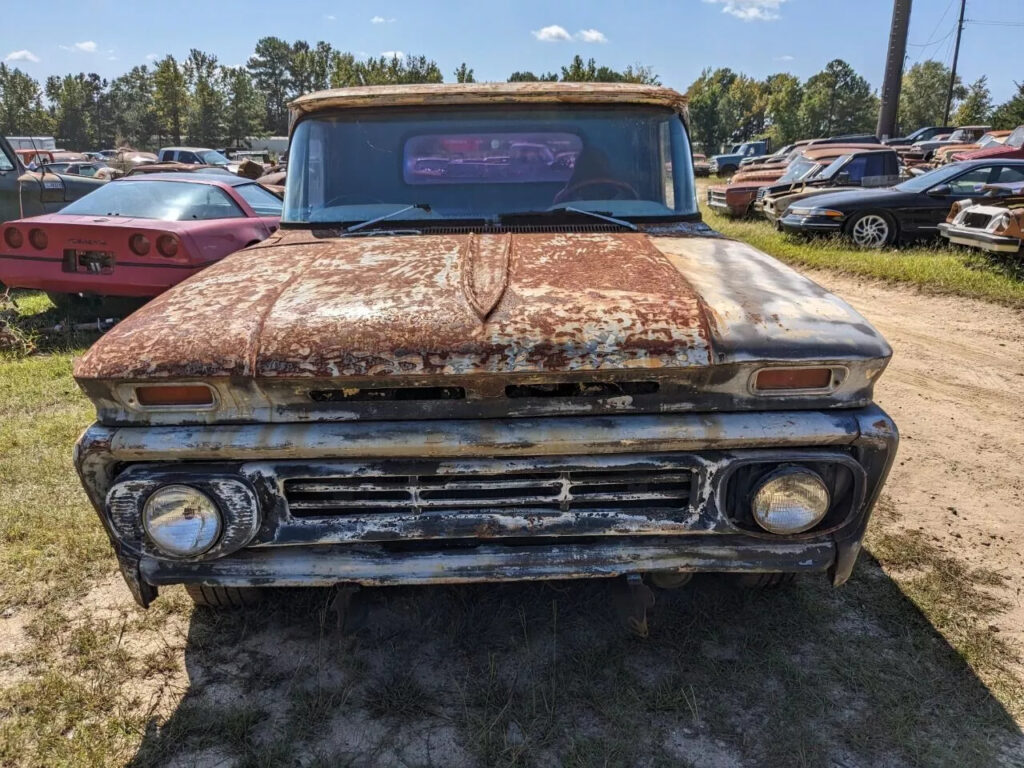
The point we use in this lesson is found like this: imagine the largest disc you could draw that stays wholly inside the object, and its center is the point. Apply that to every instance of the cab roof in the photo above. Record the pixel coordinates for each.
(456, 94)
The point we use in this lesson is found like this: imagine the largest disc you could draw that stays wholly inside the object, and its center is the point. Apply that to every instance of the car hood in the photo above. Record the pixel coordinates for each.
(840, 198)
(383, 307)
(980, 154)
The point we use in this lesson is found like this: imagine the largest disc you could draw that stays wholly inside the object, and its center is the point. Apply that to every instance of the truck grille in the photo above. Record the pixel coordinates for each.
(761, 193)
(514, 493)
(716, 197)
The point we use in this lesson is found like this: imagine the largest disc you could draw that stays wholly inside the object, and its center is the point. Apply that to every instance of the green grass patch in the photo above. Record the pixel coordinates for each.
(937, 267)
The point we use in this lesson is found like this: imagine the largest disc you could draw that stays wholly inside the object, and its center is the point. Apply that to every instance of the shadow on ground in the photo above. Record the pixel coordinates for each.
(542, 674)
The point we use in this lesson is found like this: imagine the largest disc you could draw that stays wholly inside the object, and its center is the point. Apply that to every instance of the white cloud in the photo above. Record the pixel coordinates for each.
(591, 36)
(22, 55)
(552, 34)
(750, 10)
(86, 46)
(152, 56)
(785, 57)
(393, 54)
(380, 20)
(331, 17)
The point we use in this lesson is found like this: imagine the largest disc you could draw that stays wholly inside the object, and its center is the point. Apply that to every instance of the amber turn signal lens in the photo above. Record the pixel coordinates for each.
(13, 237)
(38, 239)
(793, 378)
(167, 245)
(139, 244)
(175, 394)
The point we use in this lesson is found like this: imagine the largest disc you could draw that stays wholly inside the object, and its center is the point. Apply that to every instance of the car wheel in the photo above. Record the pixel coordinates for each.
(223, 597)
(765, 580)
(726, 170)
(872, 230)
(670, 579)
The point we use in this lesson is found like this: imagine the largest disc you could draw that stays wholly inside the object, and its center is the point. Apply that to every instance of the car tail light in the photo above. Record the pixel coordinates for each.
(13, 237)
(174, 394)
(775, 379)
(167, 245)
(38, 239)
(139, 244)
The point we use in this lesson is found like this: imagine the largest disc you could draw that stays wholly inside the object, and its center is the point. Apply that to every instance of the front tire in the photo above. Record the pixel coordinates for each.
(872, 229)
(725, 171)
(223, 597)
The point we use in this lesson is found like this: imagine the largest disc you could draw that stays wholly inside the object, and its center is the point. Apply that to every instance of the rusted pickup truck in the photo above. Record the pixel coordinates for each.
(478, 369)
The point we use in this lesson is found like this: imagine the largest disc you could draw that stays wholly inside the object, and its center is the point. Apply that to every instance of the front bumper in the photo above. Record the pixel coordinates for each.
(433, 545)
(977, 238)
(808, 224)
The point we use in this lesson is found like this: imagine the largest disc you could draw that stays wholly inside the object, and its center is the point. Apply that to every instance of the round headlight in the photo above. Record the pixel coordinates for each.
(181, 520)
(790, 501)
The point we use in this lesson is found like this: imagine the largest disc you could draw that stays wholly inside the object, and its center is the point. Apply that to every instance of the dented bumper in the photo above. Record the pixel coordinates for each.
(490, 500)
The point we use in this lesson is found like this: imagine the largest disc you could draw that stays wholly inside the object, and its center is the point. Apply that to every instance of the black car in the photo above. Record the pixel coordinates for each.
(921, 134)
(913, 210)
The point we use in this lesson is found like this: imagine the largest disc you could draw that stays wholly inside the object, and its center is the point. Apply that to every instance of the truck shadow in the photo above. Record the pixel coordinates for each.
(526, 674)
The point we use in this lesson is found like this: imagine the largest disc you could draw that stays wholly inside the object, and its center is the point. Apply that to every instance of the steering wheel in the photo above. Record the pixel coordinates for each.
(570, 193)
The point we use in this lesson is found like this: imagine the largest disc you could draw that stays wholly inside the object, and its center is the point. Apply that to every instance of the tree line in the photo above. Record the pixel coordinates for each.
(726, 106)
(209, 104)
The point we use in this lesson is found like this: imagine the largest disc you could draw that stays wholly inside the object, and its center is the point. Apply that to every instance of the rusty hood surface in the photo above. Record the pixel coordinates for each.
(423, 305)
(438, 305)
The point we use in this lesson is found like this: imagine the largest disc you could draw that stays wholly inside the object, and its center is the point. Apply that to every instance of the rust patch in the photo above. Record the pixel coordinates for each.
(430, 305)
(485, 272)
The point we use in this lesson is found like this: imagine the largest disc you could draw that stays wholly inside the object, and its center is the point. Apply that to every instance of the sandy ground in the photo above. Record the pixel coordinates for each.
(955, 388)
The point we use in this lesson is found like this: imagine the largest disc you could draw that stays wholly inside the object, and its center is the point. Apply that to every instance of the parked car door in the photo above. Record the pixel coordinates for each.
(935, 203)
(9, 172)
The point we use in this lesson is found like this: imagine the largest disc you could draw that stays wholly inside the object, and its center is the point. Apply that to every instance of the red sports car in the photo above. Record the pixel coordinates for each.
(137, 236)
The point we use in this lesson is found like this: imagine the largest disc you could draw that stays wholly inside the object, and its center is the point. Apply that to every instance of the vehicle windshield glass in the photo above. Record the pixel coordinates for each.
(212, 157)
(163, 200)
(834, 167)
(1016, 139)
(797, 170)
(480, 163)
(930, 179)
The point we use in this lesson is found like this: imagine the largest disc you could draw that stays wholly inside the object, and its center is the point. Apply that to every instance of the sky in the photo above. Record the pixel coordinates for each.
(678, 38)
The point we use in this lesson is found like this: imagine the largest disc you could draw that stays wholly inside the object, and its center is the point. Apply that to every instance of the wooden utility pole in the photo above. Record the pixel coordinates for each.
(893, 80)
(956, 56)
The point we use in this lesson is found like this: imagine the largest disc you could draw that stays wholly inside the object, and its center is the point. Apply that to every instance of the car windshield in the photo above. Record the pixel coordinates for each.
(1016, 139)
(212, 157)
(481, 163)
(930, 179)
(834, 167)
(163, 200)
(797, 170)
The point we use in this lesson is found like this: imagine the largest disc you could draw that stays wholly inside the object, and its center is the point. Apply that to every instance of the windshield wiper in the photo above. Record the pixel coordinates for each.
(385, 217)
(505, 217)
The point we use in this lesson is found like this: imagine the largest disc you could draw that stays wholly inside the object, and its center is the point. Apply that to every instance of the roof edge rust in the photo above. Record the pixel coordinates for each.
(487, 93)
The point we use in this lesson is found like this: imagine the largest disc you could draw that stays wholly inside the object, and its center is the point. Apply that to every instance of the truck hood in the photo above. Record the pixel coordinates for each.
(299, 306)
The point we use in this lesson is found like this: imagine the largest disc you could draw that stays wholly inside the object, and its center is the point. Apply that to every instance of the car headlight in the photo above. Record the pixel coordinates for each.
(816, 212)
(791, 500)
(181, 520)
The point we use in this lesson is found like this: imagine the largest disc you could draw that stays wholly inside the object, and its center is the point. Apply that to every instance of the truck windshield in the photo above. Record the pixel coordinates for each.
(348, 167)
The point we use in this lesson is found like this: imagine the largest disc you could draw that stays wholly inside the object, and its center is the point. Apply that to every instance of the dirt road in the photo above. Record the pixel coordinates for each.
(956, 390)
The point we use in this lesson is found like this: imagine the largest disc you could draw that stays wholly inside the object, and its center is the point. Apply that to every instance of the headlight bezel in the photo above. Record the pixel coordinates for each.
(844, 477)
(233, 494)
